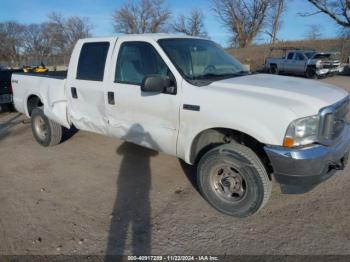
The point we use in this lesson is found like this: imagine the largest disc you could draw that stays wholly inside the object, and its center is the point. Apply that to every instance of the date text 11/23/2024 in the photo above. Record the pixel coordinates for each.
(173, 258)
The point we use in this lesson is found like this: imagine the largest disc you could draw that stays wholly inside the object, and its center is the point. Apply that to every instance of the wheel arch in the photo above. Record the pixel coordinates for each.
(32, 101)
(212, 137)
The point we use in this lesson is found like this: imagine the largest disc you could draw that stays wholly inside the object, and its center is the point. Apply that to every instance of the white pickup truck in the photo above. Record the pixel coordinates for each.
(187, 97)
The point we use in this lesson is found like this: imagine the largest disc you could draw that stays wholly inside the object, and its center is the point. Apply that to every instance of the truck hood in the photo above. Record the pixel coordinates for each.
(303, 96)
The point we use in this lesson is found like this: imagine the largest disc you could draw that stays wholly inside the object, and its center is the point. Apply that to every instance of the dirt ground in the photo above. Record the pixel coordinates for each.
(97, 195)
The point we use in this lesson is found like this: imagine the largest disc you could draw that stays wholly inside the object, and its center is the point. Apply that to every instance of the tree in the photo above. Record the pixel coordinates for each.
(192, 25)
(338, 10)
(65, 32)
(276, 11)
(76, 28)
(314, 32)
(243, 18)
(37, 42)
(11, 41)
(141, 16)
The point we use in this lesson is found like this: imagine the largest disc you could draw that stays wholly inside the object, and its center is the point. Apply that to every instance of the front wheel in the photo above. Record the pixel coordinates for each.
(311, 73)
(45, 131)
(233, 180)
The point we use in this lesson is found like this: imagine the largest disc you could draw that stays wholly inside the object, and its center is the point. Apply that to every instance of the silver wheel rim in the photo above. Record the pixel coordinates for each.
(227, 183)
(40, 128)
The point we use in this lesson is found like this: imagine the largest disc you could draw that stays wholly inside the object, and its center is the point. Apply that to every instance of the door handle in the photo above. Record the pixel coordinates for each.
(111, 99)
(74, 92)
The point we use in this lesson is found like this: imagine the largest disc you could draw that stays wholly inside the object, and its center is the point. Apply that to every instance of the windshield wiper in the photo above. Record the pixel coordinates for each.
(211, 75)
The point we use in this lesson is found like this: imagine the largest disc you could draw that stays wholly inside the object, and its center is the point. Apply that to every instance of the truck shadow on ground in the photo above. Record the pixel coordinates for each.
(191, 173)
(5, 127)
(68, 133)
(132, 211)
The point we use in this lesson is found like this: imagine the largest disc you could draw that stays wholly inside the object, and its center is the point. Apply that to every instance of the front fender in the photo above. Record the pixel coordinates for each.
(189, 132)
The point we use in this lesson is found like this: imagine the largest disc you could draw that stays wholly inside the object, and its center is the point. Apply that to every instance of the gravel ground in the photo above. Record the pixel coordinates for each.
(97, 195)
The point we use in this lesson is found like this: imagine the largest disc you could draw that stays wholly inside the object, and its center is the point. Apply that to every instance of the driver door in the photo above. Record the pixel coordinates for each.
(300, 63)
(148, 119)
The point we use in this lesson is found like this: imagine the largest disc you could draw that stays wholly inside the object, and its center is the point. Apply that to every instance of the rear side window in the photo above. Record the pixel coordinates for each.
(92, 60)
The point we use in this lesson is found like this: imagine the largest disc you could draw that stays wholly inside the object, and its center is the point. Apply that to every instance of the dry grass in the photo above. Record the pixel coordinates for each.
(255, 55)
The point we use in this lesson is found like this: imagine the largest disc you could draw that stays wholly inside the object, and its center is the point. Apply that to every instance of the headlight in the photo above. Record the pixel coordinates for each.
(302, 131)
(319, 64)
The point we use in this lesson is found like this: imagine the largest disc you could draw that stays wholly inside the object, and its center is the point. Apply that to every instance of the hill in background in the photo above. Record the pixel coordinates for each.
(255, 55)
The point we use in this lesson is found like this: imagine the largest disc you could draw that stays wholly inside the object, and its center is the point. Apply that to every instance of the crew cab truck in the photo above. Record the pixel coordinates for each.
(309, 63)
(187, 97)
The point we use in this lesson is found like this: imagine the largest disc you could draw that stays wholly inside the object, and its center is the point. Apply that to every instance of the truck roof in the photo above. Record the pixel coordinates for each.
(138, 37)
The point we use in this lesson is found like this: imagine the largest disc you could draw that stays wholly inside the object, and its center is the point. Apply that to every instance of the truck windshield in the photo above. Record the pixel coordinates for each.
(199, 59)
(310, 54)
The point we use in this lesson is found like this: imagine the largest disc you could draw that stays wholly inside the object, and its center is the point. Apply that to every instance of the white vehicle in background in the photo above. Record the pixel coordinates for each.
(309, 63)
(187, 97)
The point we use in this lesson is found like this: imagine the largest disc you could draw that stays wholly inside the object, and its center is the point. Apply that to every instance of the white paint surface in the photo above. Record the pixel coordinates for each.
(261, 106)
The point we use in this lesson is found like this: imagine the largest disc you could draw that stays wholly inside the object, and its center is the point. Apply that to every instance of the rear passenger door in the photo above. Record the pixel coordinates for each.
(85, 88)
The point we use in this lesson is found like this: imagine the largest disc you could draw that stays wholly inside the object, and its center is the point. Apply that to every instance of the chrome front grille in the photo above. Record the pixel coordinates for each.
(332, 121)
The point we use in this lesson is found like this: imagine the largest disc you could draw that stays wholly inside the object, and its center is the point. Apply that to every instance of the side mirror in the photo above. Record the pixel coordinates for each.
(155, 83)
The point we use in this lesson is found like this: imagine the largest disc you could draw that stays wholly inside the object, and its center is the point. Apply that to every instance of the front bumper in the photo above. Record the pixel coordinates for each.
(5, 99)
(311, 165)
(325, 71)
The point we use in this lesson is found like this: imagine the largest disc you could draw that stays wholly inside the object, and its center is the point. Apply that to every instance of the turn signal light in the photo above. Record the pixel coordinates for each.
(288, 142)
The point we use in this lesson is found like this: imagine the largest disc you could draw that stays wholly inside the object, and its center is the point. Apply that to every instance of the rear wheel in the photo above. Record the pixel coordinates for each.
(233, 180)
(7, 108)
(45, 131)
(274, 70)
(11, 107)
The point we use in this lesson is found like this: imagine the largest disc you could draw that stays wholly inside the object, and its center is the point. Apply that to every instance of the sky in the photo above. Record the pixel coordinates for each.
(294, 27)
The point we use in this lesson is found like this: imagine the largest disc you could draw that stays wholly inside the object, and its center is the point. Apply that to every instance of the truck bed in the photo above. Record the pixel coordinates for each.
(49, 87)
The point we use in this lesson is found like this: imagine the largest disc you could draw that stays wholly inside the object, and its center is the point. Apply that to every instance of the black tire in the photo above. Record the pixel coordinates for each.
(11, 107)
(311, 73)
(274, 70)
(7, 108)
(254, 180)
(48, 133)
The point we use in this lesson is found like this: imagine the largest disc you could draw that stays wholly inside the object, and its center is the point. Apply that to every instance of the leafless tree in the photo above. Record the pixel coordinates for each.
(57, 37)
(345, 33)
(37, 41)
(11, 42)
(141, 16)
(277, 7)
(76, 28)
(191, 25)
(338, 10)
(65, 32)
(243, 18)
(314, 32)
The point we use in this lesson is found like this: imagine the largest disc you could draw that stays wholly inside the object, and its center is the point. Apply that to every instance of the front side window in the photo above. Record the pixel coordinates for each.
(290, 56)
(199, 59)
(92, 60)
(137, 60)
(299, 57)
